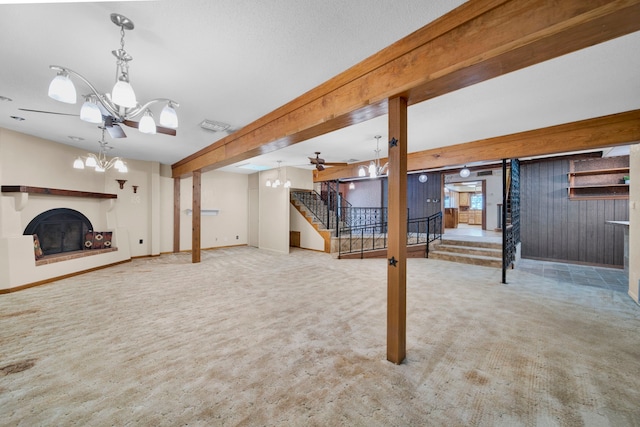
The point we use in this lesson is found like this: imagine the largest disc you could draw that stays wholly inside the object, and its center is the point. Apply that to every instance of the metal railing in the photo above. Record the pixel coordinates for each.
(509, 249)
(363, 217)
(373, 236)
(316, 206)
(425, 230)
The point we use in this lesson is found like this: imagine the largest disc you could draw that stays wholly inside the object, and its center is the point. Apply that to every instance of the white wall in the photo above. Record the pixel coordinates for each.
(309, 236)
(226, 192)
(30, 161)
(274, 210)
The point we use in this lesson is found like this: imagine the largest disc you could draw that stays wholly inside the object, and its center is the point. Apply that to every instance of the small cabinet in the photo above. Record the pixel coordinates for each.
(465, 199)
(589, 180)
(450, 217)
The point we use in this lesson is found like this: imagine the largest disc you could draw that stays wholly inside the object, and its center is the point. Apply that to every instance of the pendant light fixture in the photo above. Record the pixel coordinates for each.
(121, 104)
(277, 183)
(374, 169)
(465, 172)
(100, 162)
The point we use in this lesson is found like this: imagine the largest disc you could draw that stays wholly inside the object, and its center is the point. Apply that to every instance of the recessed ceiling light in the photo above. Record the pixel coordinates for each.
(213, 125)
(76, 138)
(18, 118)
(5, 99)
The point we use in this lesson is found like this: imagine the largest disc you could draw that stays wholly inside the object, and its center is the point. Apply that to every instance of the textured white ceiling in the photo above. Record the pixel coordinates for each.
(236, 60)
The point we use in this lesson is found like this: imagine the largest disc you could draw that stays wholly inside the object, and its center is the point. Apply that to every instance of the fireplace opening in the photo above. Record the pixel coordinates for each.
(60, 230)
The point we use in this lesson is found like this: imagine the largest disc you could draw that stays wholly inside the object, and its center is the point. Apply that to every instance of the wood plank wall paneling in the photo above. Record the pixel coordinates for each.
(420, 196)
(556, 228)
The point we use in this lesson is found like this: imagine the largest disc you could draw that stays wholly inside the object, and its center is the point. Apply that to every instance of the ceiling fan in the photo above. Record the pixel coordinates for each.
(321, 163)
(111, 123)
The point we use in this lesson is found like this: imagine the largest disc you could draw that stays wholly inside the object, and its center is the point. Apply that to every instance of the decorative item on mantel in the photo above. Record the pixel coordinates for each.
(121, 105)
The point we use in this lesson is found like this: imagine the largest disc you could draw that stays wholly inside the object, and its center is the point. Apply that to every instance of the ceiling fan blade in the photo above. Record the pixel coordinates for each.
(159, 129)
(115, 131)
(47, 112)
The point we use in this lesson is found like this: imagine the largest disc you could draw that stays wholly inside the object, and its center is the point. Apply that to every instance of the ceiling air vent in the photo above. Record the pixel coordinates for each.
(484, 173)
(213, 126)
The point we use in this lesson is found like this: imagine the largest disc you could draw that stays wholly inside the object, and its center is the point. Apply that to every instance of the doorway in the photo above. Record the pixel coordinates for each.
(465, 204)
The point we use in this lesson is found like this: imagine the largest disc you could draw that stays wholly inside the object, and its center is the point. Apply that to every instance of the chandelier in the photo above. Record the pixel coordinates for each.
(120, 106)
(374, 169)
(100, 161)
(277, 183)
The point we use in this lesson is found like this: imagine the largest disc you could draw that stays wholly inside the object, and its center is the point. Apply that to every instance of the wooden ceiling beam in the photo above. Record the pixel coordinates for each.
(479, 40)
(600, 132)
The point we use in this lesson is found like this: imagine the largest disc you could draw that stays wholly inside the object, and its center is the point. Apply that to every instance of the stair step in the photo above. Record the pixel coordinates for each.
(472, 243)
(466, 258)
(471, 250)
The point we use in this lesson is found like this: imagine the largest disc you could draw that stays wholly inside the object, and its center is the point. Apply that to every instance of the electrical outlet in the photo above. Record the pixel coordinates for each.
(237, 237)
(141, 241)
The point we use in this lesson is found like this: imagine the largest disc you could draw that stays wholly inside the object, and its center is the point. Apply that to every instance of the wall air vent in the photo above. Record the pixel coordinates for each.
(484, 173)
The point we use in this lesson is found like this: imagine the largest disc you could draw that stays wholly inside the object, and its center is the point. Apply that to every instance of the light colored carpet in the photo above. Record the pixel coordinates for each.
(253, 338)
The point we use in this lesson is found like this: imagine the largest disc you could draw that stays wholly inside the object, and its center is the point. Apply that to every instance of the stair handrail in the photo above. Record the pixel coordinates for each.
(314, 203)
(432, 227)
(336, 203)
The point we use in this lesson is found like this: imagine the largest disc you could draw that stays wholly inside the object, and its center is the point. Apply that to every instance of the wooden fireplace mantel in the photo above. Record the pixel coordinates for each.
(55, 192)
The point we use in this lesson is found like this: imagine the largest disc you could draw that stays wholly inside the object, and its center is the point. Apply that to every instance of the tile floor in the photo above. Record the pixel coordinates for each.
(600, 277)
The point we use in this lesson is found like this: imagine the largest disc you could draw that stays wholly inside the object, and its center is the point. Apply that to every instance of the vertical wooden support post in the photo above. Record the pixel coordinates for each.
(176, 215)
(196, 210)
(397, 232)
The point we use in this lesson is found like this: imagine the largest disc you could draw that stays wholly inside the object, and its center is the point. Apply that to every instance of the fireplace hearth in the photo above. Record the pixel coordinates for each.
(60, 230)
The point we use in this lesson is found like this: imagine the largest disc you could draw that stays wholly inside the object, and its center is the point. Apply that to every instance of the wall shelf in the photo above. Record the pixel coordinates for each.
(592, 180)
(55, 192)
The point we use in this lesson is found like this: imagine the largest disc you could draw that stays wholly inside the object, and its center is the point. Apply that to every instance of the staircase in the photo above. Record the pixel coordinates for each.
(469, 251)
(325, 232)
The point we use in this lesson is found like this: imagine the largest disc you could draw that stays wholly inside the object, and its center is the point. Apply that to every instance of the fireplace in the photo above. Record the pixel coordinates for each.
(60, 230)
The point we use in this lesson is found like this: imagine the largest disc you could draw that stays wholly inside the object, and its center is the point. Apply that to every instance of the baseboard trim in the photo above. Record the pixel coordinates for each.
(55, 279)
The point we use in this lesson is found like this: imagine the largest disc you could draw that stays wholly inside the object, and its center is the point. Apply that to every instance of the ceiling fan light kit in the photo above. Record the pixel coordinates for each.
(121, 106)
